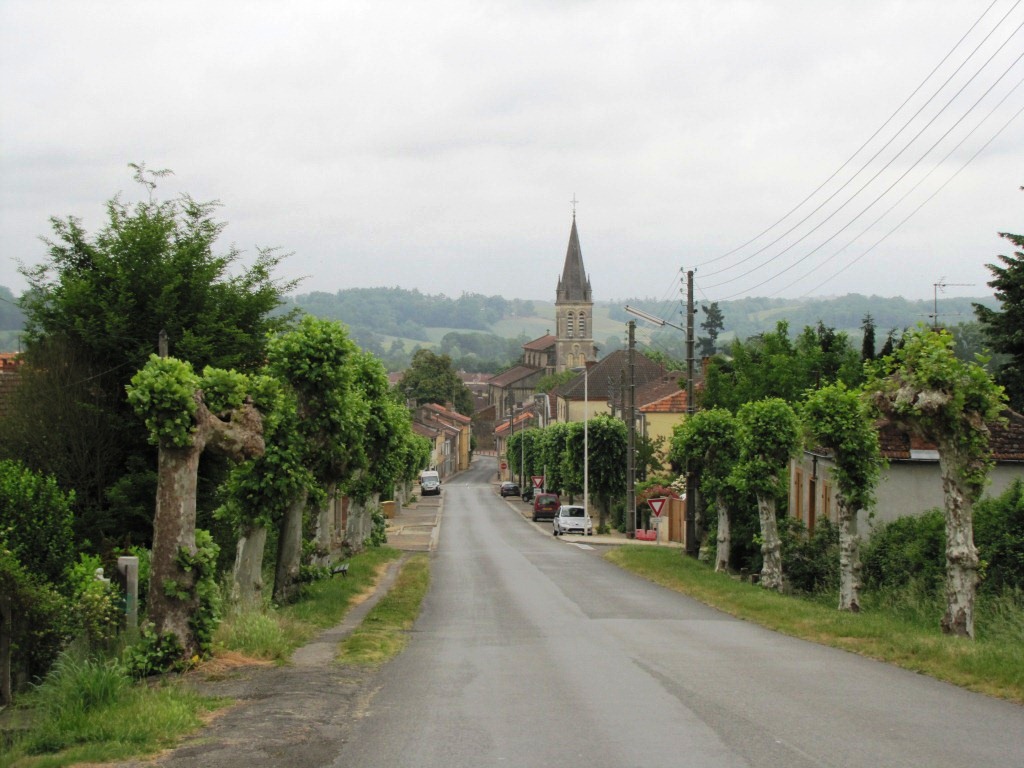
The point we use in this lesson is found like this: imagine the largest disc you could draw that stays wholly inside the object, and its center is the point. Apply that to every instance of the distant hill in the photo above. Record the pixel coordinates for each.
(489, 330)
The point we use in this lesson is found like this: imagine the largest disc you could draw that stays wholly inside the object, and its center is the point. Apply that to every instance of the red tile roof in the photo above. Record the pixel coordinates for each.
(539, 345)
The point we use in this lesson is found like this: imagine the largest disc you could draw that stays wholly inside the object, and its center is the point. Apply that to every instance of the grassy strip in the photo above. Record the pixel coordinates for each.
(274, 634)
(385, 631)
(991, 666)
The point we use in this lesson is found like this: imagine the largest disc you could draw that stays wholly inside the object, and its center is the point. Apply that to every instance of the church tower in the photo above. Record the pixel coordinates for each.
(574, 310)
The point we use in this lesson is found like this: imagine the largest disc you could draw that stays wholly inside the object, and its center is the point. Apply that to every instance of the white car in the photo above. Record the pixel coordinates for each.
(572, 519)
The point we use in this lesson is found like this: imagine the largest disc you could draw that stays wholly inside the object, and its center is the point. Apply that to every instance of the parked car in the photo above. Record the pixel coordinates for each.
(545, 505)
(528, 494)
(509, 488)
(572, 519)
(430, 483)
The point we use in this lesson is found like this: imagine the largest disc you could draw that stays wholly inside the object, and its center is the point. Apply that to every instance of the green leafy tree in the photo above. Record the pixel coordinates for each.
(714, 323)
(773, 365)
(258, 492)
(321, 365)
(99, 302)
(433, 379)
(606, 467)
(1003, 326)
(707, 443)
(768, 433)
(837, 418)
(185, 415)
(552, 456)
(927, 392)
(867, 347)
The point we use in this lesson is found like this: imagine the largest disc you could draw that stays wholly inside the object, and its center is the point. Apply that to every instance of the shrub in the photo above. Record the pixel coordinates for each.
(905, 550)
(36, 522)
(96, 605)
(810, 563)
(999, 536)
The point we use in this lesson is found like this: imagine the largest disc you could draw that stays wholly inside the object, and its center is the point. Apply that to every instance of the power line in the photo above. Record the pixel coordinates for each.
(872, 137)
(874, 177)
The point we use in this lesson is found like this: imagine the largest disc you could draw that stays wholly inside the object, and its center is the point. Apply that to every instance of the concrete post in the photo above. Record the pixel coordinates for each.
(129, 568)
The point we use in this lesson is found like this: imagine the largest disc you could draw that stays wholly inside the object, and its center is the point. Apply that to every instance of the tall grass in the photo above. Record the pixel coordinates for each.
(89, 710)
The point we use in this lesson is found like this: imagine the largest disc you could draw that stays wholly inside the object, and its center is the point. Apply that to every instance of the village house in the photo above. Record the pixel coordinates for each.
(911, 483)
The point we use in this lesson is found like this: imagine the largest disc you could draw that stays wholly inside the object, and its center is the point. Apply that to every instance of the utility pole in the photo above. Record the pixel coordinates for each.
(692, 545)
(631, 433)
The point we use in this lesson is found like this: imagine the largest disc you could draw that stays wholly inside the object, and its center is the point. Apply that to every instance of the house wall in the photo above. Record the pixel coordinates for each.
(661, 425)
(904, 488)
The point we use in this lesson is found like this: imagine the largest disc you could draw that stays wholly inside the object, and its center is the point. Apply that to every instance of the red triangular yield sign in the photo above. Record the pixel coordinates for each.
(657, 505)
(538, 481)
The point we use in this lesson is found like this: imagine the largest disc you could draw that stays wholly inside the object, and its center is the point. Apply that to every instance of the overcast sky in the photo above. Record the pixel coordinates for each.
(438, 145)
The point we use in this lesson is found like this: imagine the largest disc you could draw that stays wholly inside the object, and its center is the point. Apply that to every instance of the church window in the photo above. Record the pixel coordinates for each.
(582, 325)
(570, 326)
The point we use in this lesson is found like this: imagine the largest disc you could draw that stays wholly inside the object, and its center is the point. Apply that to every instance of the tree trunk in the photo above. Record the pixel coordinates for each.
(247, 589)
(849, 558)
(723, 552)
(771, 546)
(172, 595)
(961, 555)
(289, 550)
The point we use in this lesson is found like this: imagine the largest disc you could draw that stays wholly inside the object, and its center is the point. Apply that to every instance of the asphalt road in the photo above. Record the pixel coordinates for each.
(532, 651)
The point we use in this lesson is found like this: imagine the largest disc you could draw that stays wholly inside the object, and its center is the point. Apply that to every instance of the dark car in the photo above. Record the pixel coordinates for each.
(545, 506)
(509, 489)
(528, 494)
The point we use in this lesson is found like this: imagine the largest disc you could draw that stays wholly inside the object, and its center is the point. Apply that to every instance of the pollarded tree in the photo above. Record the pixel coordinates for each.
(837, 418)
(927, 392)
(552, 455)
(320, 363)
(769, 436)
(259, 491)
(185, 415)
(607, 444)
(1003, 327)
(707, 443)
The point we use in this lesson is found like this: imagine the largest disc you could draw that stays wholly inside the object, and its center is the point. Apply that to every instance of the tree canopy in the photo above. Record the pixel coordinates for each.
(432, 378)
(1003, 327)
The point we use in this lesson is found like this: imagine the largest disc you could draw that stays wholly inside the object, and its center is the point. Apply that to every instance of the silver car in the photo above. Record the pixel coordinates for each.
(572, 519)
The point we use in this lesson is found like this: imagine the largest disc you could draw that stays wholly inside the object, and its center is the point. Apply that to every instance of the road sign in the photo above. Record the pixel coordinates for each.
(657, 505)
(504, 465)
(538, 481)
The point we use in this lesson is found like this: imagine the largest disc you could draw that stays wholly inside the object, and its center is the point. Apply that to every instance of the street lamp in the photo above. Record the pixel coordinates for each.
(586, 441)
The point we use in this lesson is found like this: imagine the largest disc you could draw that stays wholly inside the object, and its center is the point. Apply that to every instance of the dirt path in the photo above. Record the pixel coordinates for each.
(298, 715)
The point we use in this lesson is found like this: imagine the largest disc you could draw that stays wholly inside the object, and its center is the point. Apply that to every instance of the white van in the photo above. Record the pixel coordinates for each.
(430, 482)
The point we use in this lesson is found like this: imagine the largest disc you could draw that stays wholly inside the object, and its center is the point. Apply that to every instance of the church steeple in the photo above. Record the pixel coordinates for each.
(573, 285)
(574, 308)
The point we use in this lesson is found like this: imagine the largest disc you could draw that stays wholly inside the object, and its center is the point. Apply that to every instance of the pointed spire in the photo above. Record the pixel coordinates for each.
(573, 285)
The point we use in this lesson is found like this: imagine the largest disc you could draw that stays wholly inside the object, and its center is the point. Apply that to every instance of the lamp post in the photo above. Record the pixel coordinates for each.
(586, 438)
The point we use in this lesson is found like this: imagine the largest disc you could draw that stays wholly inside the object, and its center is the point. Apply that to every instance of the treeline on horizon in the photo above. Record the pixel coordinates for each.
(393, 322)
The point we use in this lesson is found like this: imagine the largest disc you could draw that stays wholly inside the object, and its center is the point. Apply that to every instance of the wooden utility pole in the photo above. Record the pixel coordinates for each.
(631, 433)
(692, 545)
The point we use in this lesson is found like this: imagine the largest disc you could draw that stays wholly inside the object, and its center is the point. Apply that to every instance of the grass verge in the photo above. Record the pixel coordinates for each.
(989, 665)
(385, 631)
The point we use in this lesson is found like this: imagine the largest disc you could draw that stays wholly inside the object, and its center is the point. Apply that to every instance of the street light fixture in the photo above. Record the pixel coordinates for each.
(652, 319)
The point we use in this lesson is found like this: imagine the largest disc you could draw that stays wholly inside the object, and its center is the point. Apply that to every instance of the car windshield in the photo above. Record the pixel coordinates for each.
(573, 512)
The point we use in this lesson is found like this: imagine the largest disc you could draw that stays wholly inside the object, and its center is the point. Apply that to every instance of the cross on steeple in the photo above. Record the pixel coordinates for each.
(574, 201)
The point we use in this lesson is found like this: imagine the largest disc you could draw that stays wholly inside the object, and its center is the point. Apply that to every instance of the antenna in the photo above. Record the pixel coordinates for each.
(941, 286)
